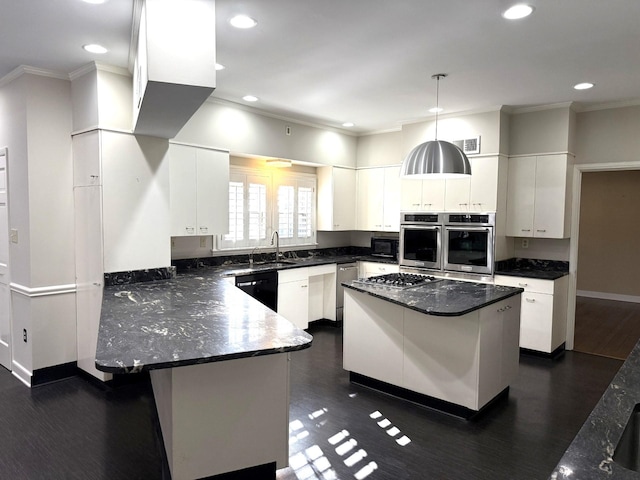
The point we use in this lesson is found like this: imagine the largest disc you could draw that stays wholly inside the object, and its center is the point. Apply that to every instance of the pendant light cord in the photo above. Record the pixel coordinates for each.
(438, 76)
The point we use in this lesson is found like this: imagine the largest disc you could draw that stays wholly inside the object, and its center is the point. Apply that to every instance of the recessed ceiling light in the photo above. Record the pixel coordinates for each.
(219, 66)
(436, 109)
(95, 2)
(583, 86)
(243, 21)
(95, 48)
(250, 98)
(518, 11)
(348, 124)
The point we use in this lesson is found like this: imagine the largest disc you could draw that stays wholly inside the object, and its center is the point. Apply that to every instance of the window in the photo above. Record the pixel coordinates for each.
(260, 203)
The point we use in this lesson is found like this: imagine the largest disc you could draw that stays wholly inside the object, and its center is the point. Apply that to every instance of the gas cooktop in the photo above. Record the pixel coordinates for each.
(399, 280)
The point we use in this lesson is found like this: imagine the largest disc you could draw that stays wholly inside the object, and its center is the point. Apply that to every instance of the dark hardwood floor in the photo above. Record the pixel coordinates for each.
(606, 327)
(74, 429)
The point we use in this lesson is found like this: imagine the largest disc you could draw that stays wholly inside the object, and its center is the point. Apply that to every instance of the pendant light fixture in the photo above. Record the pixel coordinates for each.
(437, 158)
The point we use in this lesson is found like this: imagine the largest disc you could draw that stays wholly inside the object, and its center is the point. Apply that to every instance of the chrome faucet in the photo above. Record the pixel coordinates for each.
(277, 235)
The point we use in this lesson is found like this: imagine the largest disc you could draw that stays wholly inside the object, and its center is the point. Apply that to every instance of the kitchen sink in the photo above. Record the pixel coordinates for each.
(280, 263)
(627, 453)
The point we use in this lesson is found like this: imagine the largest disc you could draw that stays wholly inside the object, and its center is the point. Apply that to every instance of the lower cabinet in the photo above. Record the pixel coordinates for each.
(371, 269)
(307, 293)
(543, 321)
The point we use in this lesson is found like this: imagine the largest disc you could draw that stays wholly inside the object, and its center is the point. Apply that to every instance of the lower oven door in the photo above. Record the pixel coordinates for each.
(468, 249)
(420, 246)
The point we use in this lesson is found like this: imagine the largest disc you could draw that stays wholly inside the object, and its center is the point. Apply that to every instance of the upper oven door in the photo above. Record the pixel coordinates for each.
(420, 246)
(468, 249)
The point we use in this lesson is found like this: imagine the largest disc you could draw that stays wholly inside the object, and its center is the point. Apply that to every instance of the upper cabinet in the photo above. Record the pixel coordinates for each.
(378, 199)
(539, 196)
(477, 193)
(199, 190)
(336, 199)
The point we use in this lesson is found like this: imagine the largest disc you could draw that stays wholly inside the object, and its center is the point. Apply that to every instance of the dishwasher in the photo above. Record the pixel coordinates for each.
(346, 273)
(262, 286)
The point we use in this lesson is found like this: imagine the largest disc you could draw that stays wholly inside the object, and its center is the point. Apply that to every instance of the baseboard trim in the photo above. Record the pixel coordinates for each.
(21, 373)
(555, 355)
(609, 296)
(43, 376)
(42, 291)
(425, 400)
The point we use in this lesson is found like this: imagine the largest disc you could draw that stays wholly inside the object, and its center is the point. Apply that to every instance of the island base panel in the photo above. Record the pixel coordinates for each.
(224, 417)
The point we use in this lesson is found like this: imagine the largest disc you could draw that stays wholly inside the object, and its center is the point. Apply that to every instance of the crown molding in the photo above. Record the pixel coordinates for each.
(609, 106)
(26, 69)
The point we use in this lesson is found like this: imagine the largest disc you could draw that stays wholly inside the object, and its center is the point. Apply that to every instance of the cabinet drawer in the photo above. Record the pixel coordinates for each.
(293, 274)
(529, 284)
(321, 270)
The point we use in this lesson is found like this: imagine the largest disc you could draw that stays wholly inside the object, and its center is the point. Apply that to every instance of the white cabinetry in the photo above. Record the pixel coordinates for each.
(538, 196)
(199, 190)
(307, 293)
(543, 322)
(336, 199)
(378, 199)
(371, 269)
(293, 296)
(466, 360)
(477, 193)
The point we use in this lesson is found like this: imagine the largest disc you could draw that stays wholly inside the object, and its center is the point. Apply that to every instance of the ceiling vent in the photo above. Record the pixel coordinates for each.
(468, 145)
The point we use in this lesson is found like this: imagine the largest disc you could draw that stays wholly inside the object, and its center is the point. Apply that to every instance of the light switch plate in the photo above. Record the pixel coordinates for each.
(13, 235)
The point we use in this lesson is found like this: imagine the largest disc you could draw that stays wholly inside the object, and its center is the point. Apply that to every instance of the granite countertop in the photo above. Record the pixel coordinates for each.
(194, 318)
(531, 268)
(443, 297)
(589, 457)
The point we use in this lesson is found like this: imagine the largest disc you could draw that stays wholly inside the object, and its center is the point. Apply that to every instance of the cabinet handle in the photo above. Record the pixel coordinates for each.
(93, 176)
(190, 229)
(526, 230)
(531, 300)
(523, 284)
(542, 231)
(204, 229)
(304, 286)
(415, 204)
(97, 284)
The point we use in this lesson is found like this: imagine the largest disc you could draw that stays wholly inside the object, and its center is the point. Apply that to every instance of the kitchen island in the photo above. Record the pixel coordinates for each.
(447, 344)
(219, 366)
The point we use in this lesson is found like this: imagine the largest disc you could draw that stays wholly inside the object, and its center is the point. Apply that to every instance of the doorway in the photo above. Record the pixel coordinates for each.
(604, 260)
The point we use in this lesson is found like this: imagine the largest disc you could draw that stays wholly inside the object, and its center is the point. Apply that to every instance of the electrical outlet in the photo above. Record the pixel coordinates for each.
(525, 243)
(24, 335)
(203, 242)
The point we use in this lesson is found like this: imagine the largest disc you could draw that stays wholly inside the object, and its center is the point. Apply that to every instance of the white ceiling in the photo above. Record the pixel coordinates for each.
(368, 61)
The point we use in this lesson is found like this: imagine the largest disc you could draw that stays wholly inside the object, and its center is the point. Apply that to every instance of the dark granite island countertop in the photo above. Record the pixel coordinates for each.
(192, 319)
(591, 453)
(442, 297)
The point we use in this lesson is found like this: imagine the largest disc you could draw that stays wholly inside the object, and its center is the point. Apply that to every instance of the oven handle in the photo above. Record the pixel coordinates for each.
(471, 229)
(419, 227)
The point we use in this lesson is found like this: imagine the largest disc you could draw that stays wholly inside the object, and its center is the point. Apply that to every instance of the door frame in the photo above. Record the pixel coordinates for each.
(578, 170)
(4, 152)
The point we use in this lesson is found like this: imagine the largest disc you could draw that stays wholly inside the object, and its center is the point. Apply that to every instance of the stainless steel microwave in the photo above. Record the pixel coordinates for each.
(384, 247)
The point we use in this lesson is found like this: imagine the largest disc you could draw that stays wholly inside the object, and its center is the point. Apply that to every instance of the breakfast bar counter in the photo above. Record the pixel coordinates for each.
(219, 366)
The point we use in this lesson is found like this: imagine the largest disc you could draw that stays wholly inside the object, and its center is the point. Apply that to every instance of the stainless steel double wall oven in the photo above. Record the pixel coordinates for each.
(448, 242)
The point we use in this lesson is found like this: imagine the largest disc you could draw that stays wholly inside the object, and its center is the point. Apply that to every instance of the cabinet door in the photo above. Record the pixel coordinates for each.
(369, 208)
(344, 199)
(433, 195)
(293, 302)
(212, 191)
(410, 195)
(456, 195)
(520, 196)
(183, 197)
(550, 197)
(484, 184)
(371, 321)
(391, 208)
(536, 321)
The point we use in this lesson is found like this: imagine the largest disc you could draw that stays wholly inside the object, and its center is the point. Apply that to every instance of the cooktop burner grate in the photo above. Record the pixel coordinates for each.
(399, 280)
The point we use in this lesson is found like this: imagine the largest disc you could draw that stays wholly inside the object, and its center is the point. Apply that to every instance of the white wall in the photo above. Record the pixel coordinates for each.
(380, 149)
(605, 136)
(247, 133)
(486, 125)
(540, 131)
